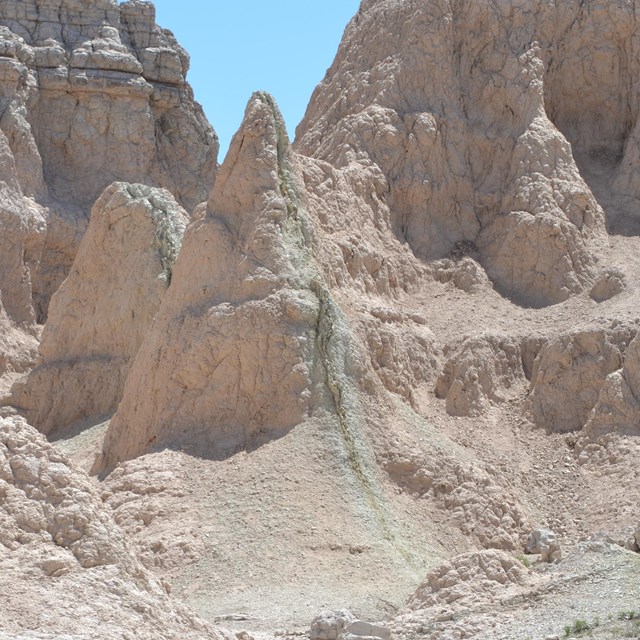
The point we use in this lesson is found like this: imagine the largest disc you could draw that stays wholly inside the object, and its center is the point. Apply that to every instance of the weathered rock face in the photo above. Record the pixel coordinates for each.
(607, 285)
(102, 312)
(230, 357)
(287, 381)
(18, 350)
(569, 373)
(476, 502)
(618, 407)
(105, 74)
(22, 224)
(456, 107)
(471, 577)
(479, 372)
(402, 351)
(60, 545)
(92, 93)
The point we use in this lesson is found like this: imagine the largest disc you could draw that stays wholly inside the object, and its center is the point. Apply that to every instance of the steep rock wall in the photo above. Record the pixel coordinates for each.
(463, 107)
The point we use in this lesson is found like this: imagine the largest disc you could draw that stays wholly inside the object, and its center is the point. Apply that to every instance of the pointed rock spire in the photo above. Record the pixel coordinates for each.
(229, 360)
(101, 313)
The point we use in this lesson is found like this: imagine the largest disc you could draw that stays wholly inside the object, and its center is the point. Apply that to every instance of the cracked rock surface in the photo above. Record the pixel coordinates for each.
(59, 547)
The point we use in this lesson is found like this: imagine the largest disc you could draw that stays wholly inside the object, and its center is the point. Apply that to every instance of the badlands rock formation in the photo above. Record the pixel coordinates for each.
(450, 107)
(231, 355)
(480, 371)
(568, 374)
(23, 229)
(491, 595)
(471, 576)
(92, 92)
(100, 315)
(618, 406)
(381, 357)
(65, 566)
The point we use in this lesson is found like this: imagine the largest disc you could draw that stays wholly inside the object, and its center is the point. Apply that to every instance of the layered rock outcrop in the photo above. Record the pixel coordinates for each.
(105, 74)
(103, 310)
(93, 93)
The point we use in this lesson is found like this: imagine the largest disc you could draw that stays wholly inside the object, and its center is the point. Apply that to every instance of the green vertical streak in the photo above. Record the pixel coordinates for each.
(331, 334)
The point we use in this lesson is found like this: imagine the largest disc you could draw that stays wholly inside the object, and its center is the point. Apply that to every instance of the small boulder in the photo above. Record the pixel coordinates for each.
(358, 630)
(609, 284)
(545, 543)
(331, 625)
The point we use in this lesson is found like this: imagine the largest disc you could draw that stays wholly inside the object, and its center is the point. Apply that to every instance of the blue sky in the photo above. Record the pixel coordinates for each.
(241, 46)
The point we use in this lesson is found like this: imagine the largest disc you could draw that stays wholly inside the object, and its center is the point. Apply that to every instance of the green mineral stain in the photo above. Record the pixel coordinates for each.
(169, 227)
(332, 335)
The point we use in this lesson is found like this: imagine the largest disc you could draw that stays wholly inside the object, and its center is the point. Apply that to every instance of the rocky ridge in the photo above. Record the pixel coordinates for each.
(238, 326)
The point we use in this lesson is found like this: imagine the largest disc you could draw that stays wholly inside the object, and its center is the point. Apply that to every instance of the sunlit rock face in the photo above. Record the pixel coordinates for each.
(491, 126)
(93, 93)
(102, 312)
